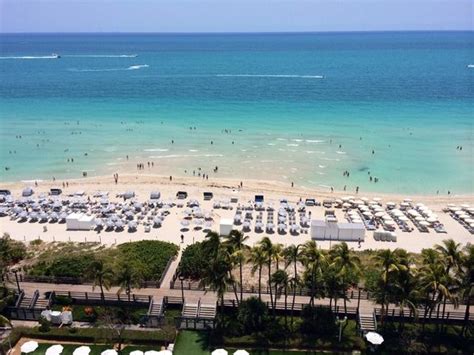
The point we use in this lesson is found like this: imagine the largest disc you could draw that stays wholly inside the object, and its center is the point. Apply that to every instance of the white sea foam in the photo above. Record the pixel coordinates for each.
(270, 143)
(32, 57)
(101, 55)
(331, 159)
(322, 166)
(314, 141)
(340, 152)
(193, 150)
(135, 67)
(271, 76)
(156, 150)
(281, 139)
(292, 145)
(132, 67)
(31, 181)
(170, 156)
(470, 65)
(297, 140)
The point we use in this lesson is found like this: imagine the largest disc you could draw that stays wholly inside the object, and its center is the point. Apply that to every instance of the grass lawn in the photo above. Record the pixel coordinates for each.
(195, 343)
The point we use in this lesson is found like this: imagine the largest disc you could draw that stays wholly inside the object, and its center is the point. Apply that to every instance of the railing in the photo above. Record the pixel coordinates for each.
(98, 298)
(19, 299)
(34, 299)
(449, 316)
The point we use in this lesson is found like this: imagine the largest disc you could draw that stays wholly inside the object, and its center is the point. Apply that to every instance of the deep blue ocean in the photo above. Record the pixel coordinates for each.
(288, 107)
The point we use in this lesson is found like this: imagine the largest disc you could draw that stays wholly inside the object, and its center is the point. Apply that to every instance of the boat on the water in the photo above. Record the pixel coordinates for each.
(55, 55)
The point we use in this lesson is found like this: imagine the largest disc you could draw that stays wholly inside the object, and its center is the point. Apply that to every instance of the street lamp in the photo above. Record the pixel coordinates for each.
(181, 278)
(340, 322)
(15, 271)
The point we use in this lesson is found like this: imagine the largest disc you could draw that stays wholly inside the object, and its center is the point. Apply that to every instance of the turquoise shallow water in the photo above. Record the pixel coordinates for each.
(299, 107)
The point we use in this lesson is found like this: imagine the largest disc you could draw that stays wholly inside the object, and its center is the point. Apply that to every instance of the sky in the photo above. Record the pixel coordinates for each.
(233, 15)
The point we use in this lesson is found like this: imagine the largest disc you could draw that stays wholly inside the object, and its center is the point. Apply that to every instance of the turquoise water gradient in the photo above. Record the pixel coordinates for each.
(289, 101)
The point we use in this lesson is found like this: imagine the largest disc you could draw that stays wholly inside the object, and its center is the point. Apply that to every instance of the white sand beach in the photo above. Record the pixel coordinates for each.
(170, 230)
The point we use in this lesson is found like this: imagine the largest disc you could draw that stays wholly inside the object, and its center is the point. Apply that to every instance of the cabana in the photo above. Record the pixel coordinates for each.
(154, 196)
(208, 196)
(79, 221)
(330, 230)
(27, 192)
(259, 198)
(225, 226)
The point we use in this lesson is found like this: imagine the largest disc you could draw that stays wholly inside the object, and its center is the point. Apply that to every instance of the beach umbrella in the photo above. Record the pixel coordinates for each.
(379, 214)
(465, 205)
(165, 352)
(29, 347)
(431, 219)
(109, 352)
(135, 352)
(241, 352)
(185, 223)
(82, 350)
(424, 223)
(152, 352)
(198, 222)
(219, 352)
(282, 226)
(54, 350)
(374, 338)
(403, 218)
(356, 220)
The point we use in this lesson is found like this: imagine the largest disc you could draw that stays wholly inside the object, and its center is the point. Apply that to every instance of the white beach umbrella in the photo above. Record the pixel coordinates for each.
(82, 350)
(431, 219)
(152, 352)
(54, 350)
(424, 223)
(185, 223)
(109, 352)
(219, 352)
(241, 352)
(136, 352)
(465, 205)
(29, 347)
(403, 218)
(165, 352)
(379, 214)
(390, 223)
(374, 338)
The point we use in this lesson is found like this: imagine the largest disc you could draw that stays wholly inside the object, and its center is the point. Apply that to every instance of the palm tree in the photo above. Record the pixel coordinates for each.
(277, 254)
(390, 263)
(450, 253)
(466, 282)
(292, 255)
(437, 283)
(211, 244)
(101, 275)
(281, 281)
(258, 259)
(347, 265)
(314, 260)
(407, 293)
(218, 277)
(268, 250)
(127, 278)
(236, 244)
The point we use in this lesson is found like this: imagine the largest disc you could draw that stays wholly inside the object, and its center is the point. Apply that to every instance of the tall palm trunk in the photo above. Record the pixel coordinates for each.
(286, 306)
(269, 281)
(466, 314)
(234, 287)
(294, 294)
(313, 281)
(241, 282)
(260, 283)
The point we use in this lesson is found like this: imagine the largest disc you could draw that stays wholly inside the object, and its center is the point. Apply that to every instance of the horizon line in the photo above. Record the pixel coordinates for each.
(235, 32)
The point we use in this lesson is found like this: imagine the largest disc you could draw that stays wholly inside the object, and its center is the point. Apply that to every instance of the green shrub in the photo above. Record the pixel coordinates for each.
(11, 251)
(193, 261)
(318, 320)
(252, 315)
